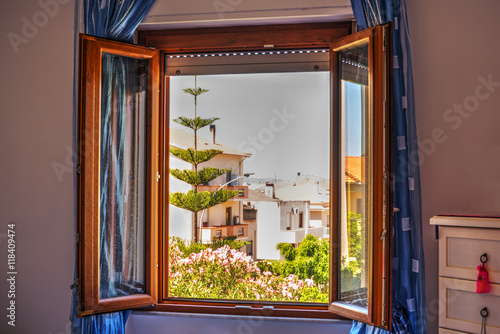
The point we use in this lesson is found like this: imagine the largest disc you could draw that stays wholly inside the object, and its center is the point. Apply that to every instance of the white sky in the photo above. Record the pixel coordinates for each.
(249, 105)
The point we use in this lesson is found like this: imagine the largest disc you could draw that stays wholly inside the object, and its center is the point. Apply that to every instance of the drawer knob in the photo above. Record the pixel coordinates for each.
(484, 315)
(484, 258)
(484, 312)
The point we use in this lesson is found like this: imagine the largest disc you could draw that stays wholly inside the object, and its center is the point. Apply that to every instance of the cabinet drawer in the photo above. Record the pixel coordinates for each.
(460, 250)
(461, 306)
(448, 331)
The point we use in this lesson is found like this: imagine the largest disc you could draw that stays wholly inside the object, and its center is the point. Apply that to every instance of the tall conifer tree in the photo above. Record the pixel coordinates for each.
(195, 200)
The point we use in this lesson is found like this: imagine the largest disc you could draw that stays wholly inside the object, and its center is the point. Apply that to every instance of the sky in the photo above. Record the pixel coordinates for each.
(282, 119)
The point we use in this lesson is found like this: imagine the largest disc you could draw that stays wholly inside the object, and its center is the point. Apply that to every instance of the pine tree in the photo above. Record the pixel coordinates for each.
(195, 200)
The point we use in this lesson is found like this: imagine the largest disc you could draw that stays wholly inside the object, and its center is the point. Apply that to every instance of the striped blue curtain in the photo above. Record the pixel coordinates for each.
(116, 20)
(408, 263)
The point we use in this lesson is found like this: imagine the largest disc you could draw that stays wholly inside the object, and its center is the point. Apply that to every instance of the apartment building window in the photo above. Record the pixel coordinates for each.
(358, 126)
(288, 221)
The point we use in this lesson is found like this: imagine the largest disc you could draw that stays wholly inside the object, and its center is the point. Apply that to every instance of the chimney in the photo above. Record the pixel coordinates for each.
(212, 129)
(269, 190)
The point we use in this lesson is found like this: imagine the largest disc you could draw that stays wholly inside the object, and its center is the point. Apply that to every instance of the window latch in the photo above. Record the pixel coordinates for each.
(74, 285)
(157, 176)
(383, 234)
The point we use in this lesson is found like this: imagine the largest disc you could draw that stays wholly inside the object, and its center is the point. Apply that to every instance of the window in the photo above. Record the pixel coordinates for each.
(358, 158)
(117, 183)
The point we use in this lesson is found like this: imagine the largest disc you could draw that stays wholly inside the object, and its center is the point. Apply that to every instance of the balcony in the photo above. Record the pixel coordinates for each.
(243, 191)
(208, 233)
(296, 236)
(249, 214)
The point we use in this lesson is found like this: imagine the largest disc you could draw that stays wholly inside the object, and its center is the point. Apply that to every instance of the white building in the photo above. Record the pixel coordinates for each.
(220, 220)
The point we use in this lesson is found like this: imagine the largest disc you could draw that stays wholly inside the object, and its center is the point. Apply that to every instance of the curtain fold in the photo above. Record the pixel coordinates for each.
(408, 314)
(116, 20)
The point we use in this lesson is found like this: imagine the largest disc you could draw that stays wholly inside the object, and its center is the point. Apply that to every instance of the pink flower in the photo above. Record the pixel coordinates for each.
(309, 282)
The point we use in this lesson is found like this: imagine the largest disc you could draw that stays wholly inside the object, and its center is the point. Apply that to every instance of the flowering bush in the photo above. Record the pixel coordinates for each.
(226, 273)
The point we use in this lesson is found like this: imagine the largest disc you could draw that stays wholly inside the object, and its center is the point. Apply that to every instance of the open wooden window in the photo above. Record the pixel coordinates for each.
(117, 184)
(360, 94)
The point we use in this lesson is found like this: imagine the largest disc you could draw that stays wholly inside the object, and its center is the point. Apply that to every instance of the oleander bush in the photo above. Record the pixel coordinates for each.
(226, 273)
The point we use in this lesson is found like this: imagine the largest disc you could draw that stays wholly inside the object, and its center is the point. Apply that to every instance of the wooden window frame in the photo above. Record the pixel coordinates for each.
(379, 298)
(330, 35)
(321, 35)
(88, 209)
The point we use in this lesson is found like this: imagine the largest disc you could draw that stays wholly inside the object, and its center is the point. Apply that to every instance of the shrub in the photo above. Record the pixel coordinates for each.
(226, 273)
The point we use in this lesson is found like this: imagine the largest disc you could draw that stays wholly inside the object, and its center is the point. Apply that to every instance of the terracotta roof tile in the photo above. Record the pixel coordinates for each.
(355, 169)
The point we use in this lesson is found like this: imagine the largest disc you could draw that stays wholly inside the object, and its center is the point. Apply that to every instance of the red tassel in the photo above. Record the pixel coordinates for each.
(482, 280)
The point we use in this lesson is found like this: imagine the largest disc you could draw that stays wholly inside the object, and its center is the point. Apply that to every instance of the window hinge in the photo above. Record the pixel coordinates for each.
(157, 176)
(77, 238)
(383, 234)
(78, 169)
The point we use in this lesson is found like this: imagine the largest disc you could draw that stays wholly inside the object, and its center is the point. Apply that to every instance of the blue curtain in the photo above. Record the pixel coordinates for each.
(408, 263)
(116, 20)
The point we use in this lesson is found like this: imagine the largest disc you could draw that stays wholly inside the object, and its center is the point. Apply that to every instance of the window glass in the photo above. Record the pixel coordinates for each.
(355, 220)
(273, 131)
(122, 176)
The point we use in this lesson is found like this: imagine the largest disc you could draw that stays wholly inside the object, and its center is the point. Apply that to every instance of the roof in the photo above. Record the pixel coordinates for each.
(184, 140)
(355, 169)
(256, 196)
(303, 192)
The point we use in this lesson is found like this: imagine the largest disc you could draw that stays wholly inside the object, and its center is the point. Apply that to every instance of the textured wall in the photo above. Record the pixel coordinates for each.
(455, 48)
(36, 131)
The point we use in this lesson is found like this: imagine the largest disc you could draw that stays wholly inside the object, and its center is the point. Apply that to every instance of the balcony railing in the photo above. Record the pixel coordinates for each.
(243, 190)
(249, 214)
(209, 233)
(296, 236)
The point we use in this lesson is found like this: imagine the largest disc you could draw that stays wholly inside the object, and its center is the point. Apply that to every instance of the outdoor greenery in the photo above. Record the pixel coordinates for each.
(350, 273)
(225, 273)
(195, 200)
(218, 270)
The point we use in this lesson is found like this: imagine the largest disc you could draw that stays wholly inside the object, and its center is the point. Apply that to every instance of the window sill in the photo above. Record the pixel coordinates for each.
(241, 317)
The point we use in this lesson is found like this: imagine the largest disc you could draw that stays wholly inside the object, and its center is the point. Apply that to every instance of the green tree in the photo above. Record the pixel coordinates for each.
(195, 200)
(354, 234)
(309, 260)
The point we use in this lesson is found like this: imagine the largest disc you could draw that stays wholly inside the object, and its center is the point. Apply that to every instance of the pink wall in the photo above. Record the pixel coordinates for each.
(455, 47)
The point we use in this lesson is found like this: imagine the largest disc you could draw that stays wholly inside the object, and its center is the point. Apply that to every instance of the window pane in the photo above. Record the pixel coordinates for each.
(122, 176)
(275, 126)
(355, 172)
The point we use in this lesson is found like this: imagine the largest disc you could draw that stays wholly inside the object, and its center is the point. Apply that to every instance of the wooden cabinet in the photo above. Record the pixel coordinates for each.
(462, 241)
